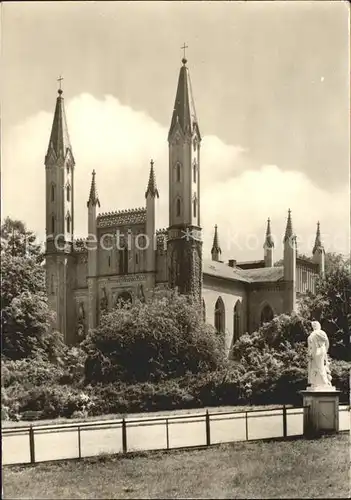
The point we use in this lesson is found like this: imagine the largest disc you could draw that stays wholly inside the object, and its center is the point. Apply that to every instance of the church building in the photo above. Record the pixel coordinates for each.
(125, 256)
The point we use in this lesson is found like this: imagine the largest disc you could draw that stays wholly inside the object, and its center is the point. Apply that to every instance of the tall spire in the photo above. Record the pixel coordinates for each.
(151, 187)
(93, 196)
(269, 242)
(216, 249)
(318, 242)
(59, 138)
(184, 108)
(289, 230)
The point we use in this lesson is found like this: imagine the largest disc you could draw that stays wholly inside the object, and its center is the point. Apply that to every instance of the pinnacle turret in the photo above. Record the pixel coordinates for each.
(151, 187)
(318, 242)
(93, 196)
(269, 242)
(216, 249)
(289, 229)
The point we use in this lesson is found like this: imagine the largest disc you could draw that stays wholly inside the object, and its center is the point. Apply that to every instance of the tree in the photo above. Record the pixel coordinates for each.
(334, 261)
(17, 241)
(26, 321)
(163, 337)
(331, 306)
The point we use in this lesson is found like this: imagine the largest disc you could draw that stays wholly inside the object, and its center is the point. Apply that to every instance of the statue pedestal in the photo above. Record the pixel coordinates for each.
(321, 411)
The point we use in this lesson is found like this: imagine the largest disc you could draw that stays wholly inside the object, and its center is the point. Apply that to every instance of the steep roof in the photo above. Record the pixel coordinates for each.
(260, 275)
(59, 138)
(251, 264)
(221, 270)
(265, 274)
(184, 109)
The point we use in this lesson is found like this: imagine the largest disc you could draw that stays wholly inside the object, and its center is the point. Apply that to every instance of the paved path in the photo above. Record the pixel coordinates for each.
(155, 433)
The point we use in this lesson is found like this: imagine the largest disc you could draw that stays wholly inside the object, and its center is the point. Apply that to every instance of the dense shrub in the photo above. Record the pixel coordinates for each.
(30, 373)
(231, 386)
(50, 401)
(162, 338)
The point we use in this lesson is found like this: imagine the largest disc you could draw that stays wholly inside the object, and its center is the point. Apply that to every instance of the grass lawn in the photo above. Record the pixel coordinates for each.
(284, 469)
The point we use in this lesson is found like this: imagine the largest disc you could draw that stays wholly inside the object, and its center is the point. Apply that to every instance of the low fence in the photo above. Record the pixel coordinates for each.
(32, 444)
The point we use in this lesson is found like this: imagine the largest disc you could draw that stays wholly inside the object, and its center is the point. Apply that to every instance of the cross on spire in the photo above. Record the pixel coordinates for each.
(60, 78)
(183, 48)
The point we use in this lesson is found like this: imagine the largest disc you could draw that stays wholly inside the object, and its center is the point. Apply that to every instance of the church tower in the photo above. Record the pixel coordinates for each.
(184, 233)
(59, 169)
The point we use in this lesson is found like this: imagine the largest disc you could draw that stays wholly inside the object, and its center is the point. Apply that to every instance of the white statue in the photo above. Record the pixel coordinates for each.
(319, 378)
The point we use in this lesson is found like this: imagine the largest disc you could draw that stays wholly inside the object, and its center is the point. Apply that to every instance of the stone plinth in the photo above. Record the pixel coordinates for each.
(321, 411)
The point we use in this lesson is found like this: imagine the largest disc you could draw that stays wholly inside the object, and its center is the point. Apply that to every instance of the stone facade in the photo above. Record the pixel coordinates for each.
(125, 256)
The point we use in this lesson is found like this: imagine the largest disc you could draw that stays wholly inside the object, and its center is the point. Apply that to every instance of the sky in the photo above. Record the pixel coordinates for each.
(271, 87)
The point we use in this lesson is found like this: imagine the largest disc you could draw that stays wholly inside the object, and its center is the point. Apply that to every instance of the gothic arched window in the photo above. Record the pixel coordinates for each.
(125, 260)
(68, 193)
(194, 171)
(194, 207)
(236, 321)
(120, 261)
(178, 207)
(178, 169)
(203, 310)
(52, 192)
(68, 223)
(219, 316)
(266, 314)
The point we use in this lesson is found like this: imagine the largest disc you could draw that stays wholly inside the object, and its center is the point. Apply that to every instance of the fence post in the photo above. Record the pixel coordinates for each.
(124, 436)
(246, 427)
(79, 443)
(167, 433)
(285, 425)
(31, 445)
(208, 429)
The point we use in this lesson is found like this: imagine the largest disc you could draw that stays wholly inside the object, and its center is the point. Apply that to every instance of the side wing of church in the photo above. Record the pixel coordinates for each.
(125, 256)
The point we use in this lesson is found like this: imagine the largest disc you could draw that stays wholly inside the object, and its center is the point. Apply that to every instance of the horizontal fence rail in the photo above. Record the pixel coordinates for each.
(40, 443)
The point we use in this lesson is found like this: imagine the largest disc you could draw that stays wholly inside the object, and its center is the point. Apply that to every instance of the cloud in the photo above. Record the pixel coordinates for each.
(118, 142)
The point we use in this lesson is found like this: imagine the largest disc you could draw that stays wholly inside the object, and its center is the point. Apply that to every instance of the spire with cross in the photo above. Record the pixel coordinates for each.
(60, 78)
(184, 60)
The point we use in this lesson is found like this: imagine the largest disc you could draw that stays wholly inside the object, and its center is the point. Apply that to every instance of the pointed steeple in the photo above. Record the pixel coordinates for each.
(151, 187)
(59, 139)
(318, 242)
(93, 196)
(289, 229)
(216, 249)
(184, 108)
(269, 242)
